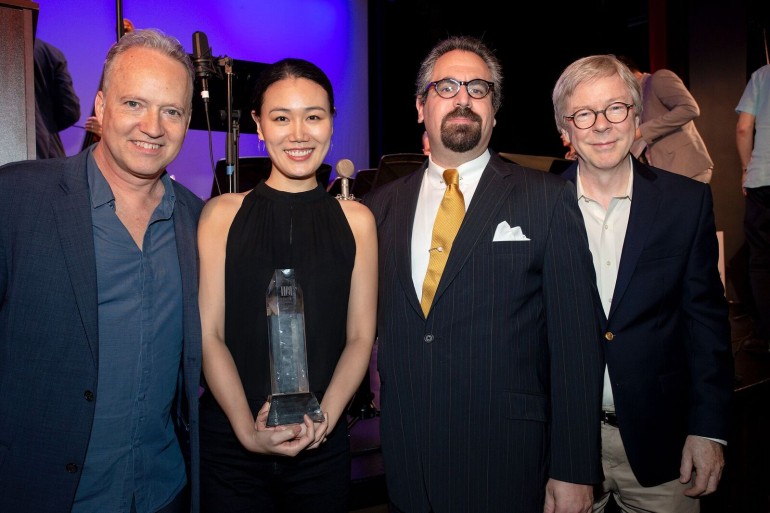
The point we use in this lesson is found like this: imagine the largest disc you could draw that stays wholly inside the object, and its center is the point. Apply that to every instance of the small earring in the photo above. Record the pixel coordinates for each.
(261, 146)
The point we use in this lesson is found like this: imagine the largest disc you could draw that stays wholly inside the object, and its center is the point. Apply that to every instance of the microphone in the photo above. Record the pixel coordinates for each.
(202, 62)
(345, 170)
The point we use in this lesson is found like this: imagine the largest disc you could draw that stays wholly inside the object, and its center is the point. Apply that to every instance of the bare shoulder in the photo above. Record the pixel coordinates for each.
(356, 211)
(220, 211)
(360, 218)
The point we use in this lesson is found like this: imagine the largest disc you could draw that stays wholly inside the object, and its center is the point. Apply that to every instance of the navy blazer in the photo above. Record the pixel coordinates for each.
(499, 388)
(667, 336)
(48, 331)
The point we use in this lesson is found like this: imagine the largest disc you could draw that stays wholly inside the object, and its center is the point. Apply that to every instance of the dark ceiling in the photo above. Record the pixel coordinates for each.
(534, 48)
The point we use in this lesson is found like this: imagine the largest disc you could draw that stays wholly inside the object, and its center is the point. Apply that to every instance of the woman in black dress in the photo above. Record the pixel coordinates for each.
(286, 221)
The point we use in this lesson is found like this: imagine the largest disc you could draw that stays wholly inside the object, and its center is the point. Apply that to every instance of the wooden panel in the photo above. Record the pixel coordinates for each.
(17, 87)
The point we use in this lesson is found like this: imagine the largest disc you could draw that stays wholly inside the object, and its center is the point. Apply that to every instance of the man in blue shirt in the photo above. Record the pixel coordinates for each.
(100, 341)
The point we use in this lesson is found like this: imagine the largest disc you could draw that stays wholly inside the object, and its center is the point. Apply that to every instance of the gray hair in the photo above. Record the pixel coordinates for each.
(588, 69)
(148, 38)
(466, 44)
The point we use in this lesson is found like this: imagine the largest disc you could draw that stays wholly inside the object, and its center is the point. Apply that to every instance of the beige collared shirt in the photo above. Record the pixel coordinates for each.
(606, 230)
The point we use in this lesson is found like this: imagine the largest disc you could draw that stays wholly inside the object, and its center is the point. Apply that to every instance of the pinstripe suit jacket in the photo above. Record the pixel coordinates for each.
(669, 359)
(499, 388)
(49, 345)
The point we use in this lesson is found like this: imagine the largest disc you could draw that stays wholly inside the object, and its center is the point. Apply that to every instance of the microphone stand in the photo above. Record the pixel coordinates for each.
(233, 132)
(119, 23)
(345, 169)
(345, 190)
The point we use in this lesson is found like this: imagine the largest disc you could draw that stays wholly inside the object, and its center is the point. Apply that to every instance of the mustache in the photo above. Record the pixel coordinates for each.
(463, 112)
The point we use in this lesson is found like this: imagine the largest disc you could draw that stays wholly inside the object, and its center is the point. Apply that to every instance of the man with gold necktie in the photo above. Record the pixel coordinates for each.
(489, 352)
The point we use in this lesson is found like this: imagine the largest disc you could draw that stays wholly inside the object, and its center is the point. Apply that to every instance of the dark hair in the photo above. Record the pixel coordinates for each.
(465, 44)
(629, 62)
(290, 68)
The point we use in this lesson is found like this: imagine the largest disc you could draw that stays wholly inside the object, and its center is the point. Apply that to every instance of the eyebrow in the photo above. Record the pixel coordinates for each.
(304, 109)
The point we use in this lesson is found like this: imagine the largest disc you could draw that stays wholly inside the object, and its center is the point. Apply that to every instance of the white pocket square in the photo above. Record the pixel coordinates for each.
(504, 232)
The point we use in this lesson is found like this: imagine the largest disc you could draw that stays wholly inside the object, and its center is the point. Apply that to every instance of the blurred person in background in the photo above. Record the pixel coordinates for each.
(57, 106)
(667, 137)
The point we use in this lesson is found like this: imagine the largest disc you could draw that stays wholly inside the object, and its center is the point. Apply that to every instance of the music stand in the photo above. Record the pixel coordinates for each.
(362, 405)
(362, 184)
(396, 165)
(558, 166)
(255, 169)
(543, 163)
(245, 75)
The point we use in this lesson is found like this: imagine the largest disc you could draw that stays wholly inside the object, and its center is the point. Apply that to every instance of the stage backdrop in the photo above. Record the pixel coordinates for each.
(330, 33)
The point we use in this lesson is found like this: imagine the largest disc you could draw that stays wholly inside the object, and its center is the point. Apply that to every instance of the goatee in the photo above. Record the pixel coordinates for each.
(461, 138)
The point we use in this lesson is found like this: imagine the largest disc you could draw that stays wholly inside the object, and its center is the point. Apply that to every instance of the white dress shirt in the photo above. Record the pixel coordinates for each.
(431, 193)
(606, 230)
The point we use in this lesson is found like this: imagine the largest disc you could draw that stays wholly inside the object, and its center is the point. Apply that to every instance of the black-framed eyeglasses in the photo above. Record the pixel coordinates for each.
(449, 87)
(614, 113)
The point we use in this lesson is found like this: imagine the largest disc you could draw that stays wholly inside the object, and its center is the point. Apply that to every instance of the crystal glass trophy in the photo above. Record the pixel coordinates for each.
(291, 397)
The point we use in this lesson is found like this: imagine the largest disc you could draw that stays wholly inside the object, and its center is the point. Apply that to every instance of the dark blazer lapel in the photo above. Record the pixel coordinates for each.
(184, 232)
(494, 186)
(645, 200)
(405, 205)
(72, 212)
(571, 173)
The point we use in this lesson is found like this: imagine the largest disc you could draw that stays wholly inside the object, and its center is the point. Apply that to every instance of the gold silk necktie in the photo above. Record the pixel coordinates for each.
(448, 219)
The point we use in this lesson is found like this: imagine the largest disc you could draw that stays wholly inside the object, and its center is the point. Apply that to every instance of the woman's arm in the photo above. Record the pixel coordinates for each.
(361, 320)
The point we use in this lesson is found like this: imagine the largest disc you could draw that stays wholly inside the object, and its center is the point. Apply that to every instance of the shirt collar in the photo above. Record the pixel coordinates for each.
(629, 185)
(469, 171)
(101, 193)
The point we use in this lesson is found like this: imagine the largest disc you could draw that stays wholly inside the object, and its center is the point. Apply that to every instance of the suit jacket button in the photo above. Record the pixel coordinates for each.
(428, 338)
(88, 395)
(609, 335)
(72, 468)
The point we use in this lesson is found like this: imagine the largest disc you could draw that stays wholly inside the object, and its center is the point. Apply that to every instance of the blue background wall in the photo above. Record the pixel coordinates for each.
(330, 33)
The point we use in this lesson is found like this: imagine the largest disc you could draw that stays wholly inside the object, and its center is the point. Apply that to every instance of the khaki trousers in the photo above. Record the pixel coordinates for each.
(629, 495)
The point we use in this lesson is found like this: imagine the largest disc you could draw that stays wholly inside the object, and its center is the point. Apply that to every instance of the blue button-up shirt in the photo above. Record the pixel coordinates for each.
(133, 453)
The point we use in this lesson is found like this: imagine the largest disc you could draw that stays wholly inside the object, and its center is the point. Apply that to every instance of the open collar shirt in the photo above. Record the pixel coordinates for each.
(606, 230)
(133, 454)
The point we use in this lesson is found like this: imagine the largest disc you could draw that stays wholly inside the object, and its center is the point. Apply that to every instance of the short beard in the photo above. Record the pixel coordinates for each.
(461, 138)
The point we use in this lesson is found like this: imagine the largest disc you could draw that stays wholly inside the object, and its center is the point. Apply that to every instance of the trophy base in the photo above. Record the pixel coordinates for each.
(291, 408)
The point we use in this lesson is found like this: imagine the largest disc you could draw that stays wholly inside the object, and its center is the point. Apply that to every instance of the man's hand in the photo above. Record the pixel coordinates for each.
(93, 126)
(563, 497)
(704, 457)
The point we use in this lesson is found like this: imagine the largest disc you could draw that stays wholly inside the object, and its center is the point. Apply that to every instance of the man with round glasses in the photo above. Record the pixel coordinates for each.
(666, 335)
(490, 387)
(616, 112)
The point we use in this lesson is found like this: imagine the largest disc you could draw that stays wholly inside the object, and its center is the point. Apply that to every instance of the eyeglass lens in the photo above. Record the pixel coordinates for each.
(449, 87)
(615, 113)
